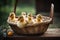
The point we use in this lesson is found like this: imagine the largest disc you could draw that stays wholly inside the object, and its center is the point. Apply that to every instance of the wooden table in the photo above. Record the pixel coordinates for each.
(50, 34)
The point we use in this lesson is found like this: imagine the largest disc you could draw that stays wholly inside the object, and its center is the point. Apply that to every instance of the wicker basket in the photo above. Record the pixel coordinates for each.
(38, 28)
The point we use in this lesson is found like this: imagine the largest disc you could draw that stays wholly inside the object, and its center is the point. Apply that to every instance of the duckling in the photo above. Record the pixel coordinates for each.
(21, 22)
(12, 17)
(30, 18)
(24, 15)
(39, 18)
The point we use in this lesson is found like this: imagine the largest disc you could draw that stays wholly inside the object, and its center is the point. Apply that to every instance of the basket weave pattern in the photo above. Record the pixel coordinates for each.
(33, 29)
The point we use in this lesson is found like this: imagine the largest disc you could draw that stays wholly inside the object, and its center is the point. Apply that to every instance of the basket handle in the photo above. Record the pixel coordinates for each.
(15, 5)
(52, 12)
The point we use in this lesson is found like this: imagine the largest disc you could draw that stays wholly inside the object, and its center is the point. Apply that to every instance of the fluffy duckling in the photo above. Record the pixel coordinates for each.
(21, 22)
(39, 18)
(12, 17)
(30, 18)
(24, 15)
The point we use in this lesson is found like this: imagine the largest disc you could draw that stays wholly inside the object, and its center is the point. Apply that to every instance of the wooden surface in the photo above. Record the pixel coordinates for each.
(51, 32)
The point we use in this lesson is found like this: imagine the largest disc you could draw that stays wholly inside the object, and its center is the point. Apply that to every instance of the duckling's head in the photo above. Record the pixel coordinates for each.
(29, 17)
(21, 19)
(39, 17)
(23, 13)
(12, 15)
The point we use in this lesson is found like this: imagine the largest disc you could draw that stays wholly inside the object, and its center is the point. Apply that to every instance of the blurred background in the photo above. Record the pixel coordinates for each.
(29, 6)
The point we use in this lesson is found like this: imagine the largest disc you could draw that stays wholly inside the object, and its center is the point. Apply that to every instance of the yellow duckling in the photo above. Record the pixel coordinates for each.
(24, 15)
(21, 22)
(30, 18)
(39, 18)
(12, 17)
